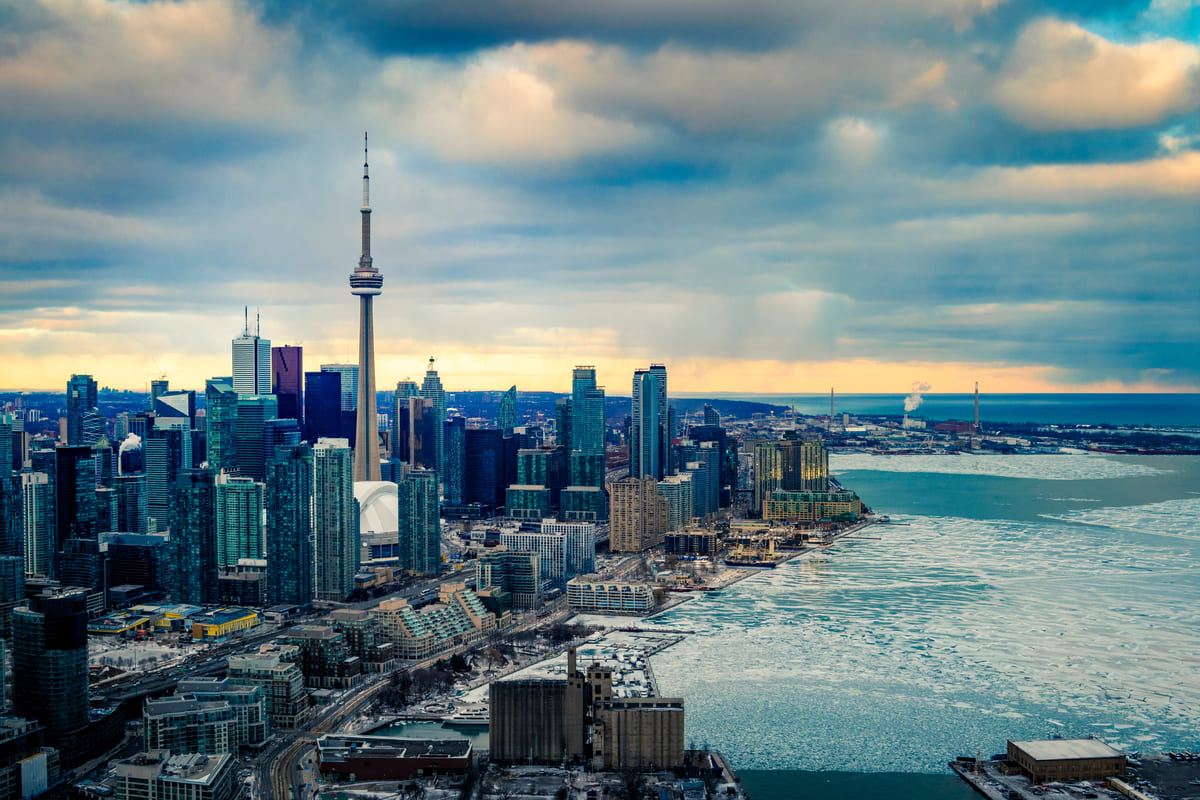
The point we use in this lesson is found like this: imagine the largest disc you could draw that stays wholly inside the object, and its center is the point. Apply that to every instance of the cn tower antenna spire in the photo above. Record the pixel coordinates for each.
(366, 284)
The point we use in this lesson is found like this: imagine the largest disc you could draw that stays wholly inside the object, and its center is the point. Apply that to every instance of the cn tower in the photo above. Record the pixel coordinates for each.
(366, 282)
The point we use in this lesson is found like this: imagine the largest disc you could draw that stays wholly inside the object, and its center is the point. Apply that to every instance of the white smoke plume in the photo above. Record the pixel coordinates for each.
(913, 400)
(131, 442)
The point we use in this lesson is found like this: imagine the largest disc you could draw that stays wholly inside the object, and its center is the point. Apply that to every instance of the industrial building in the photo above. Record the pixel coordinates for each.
(383, 758)
(1066, 759)
(578, 719)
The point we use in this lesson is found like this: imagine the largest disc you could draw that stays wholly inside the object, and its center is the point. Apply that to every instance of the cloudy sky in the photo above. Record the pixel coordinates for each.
(766, 195)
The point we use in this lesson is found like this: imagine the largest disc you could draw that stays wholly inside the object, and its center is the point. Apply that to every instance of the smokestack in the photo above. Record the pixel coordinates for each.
(976, 406)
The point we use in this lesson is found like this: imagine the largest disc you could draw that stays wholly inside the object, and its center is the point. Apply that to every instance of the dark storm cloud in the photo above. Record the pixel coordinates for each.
(700, 180)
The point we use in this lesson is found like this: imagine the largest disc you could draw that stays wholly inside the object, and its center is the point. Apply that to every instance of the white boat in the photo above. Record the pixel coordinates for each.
(472, 716)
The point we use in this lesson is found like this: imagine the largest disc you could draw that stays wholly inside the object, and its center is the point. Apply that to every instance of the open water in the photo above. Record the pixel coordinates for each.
(1018, 597)
(1169, 410)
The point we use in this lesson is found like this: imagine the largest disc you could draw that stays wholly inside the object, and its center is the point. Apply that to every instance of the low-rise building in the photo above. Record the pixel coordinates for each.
(1066, 760)
(221, 623)
(593, 593)
(186, 725)
(457, 618)
(158, 775)
(249, 706)
(384, 758)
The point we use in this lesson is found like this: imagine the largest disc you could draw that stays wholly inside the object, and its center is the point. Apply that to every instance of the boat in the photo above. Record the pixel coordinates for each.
(472, 716)
(729, 562)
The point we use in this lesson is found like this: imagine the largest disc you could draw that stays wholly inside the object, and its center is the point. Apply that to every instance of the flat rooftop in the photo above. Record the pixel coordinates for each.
(335, 748)
(1067, 749)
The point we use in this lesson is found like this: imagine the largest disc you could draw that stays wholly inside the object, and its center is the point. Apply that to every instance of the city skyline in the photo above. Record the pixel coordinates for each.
(782, 200)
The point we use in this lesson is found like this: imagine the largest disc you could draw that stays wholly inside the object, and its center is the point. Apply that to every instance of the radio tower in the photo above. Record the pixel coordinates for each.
(366, 282)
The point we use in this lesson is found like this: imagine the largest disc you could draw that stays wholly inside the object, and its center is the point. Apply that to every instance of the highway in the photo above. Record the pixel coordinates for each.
(281, 758)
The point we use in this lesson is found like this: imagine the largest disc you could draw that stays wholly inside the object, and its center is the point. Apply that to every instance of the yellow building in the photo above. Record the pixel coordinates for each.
(223, 622)
(639, 515)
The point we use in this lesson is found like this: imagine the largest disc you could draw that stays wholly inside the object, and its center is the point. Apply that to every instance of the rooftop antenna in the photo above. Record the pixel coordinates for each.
(830, 408)
(257, 323)
(246, 328)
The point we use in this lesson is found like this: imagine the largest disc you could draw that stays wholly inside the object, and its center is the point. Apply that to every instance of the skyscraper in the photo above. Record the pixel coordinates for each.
(366, 283)
(50, 664)
(431, 389)
(711, 417)
(239, 519)
(586, 438)
(81, 398)
(288, 501)
(12, 521)
(639, 515)
(251, 362)
(131, 503)
(194, 537)
(335, 519)
(37, 504)
(506, 417)
(347, 383)
(456, 445)
(221, 409)
(419, 514)
(287, 380)
(322, 405)
(75, 493)
(252, 415)
(650, 431)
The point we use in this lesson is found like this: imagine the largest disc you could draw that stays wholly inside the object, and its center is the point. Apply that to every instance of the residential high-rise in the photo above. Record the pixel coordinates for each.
(287, 380)
(288, 502)
(322, 405)
(279, 433)
(455, 442)
(418, 514)
(221, 407)
(650, 431)
(431, 389)
(252, 415)
(506, 417)
(711, 417)
(251, 362)
(703, 461)
(680, 508)
(586, 438)
(335, 519)
(12, 519)
(239, 519)
(131, 503)
(551, 549)
(37, 515)
(75, 493)
(81, 398)
(194, 537)
(790, 465)
(168, 452)
(483, 467)
(365, 283)
(581, 544)
(638, 514)
(50, 665)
